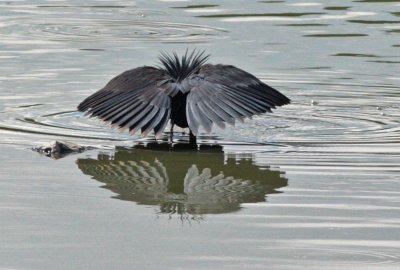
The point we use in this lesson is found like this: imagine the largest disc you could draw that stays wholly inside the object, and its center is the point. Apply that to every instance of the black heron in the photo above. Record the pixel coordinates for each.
(186, 91)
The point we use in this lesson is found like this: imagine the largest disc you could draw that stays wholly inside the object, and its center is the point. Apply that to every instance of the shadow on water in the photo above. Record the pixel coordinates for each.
(182, 181)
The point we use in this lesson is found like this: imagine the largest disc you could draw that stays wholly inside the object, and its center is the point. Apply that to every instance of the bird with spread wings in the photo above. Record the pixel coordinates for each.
(187, 91)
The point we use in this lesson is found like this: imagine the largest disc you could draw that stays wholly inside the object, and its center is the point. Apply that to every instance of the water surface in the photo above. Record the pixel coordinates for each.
(313, 185)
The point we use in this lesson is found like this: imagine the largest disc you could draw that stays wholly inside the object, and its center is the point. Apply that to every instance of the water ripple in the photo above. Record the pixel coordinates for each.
(334, 114)
(333, 154)
(102, 23)
(106, 30)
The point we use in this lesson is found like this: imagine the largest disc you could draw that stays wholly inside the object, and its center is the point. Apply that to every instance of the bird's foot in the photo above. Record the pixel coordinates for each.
(192, 139)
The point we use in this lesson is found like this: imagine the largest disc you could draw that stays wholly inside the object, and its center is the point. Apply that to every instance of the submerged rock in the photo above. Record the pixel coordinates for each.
(59, 149)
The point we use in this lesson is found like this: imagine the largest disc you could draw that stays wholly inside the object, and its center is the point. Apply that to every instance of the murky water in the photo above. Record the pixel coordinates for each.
(314, 185)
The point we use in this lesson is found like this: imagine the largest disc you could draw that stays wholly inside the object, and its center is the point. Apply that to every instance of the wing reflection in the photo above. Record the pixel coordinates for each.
(183, 182)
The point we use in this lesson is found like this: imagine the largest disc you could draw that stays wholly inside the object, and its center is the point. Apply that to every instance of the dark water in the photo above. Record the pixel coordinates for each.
(313, 185)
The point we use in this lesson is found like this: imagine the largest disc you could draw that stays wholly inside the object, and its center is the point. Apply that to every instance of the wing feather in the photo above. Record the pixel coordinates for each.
(108, 111)
(214, 117)
(144, 118)
(162, 123)
(115, 114)
(94, 99)
(147, 127)
(212, 106)
(222, 93)
(123, 120)
(193, 122)
(135, 99)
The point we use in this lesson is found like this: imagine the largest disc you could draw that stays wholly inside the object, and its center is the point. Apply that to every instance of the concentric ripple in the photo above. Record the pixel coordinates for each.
(348, 256)
(319, 118)
(108, 30)
(333, 154)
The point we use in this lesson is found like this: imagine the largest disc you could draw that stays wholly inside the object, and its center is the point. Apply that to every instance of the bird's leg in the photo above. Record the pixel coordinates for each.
(171, 133)
(192, 139)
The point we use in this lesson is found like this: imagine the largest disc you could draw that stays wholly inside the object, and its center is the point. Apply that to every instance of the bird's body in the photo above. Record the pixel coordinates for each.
(178, 110)
(186, 91)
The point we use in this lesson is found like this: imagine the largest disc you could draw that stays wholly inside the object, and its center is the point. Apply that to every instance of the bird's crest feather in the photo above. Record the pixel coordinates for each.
(179, 69)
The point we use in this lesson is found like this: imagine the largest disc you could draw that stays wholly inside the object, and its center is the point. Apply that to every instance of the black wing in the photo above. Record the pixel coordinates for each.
(222, 93)
(136, 99)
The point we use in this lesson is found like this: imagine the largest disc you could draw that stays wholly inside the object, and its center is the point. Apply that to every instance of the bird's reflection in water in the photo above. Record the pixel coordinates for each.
(184, 182)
